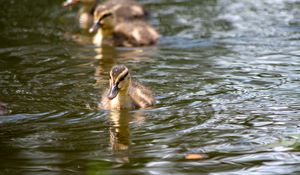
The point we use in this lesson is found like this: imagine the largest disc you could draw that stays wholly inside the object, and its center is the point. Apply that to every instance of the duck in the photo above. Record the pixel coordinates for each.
(124, 93)
(85, 13)
(124, 9)
(120, 27)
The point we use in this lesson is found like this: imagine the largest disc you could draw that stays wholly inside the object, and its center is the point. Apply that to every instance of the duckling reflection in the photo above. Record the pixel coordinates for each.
(125, 30)
(124, 93)
(85, 13)
(120, 132)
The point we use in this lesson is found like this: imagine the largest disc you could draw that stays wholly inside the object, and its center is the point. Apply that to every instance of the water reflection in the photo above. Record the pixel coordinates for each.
(120, 135)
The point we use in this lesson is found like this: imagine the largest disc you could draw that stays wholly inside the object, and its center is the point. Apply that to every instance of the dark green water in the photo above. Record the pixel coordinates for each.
(226, 75)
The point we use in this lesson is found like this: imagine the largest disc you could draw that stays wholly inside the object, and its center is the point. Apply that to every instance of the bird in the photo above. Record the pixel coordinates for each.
(124, 93)
(86, 11)
(124, 9)
(123, 25)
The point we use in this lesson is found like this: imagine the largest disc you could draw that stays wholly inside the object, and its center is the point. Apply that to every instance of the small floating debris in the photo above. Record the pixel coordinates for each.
(195, 156)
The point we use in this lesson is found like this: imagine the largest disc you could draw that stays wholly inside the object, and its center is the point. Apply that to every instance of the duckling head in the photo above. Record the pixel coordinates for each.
(119, 81)
(102, 19)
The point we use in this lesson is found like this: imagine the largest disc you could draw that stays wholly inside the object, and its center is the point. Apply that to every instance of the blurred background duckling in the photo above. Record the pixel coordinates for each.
(121, 30)
(86, 11)
(125, 93)
(124, 9)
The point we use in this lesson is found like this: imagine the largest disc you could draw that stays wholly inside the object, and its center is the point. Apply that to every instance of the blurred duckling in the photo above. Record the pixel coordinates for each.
(85, 13)
(121, 31)
(124, 9)
(124, 93)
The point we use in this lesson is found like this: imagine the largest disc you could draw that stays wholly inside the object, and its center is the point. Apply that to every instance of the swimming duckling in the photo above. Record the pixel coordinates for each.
(124, 93)
(124, 9)
(85, 13)
(119, 31)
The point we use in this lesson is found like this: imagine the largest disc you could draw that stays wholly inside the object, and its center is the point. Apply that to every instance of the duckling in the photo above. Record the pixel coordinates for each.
(122, 31)
(85, 13)
(124, 9)
(125, 93)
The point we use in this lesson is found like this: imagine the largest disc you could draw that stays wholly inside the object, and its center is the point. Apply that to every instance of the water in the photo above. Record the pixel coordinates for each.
(226, 76)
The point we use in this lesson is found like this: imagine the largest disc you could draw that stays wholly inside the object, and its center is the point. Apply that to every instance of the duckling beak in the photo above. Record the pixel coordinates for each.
(95, 27)
(69, 3)
(97, 24)
(113, 92)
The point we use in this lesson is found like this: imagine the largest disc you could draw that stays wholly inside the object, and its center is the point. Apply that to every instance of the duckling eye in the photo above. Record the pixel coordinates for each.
(121, 79)
(105, 15)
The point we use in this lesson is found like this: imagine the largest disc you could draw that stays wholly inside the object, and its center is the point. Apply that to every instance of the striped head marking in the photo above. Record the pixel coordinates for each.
(119, 80)
(101, 18)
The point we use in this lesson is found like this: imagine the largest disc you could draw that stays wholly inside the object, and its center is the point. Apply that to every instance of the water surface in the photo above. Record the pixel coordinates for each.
(226, 75)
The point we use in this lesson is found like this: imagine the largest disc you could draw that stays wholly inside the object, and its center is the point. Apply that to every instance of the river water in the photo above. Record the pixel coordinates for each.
(226, 75)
